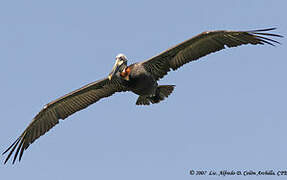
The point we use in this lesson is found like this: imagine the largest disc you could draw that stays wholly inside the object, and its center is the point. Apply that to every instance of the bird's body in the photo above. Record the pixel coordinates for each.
(140, 81)
(140, 78)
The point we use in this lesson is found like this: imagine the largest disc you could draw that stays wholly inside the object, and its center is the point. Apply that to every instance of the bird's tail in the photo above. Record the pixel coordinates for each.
(162, 92)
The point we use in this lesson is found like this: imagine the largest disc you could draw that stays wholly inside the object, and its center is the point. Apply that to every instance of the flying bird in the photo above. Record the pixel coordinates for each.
(140, 78)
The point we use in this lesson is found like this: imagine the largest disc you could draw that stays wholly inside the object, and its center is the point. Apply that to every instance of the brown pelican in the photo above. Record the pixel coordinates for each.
(140, 78)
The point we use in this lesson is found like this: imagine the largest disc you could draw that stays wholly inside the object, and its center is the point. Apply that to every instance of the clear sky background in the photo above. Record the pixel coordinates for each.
(228, 111)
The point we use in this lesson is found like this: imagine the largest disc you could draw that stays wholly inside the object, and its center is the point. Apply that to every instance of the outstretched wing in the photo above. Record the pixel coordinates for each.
(61, 108)
(204, 44)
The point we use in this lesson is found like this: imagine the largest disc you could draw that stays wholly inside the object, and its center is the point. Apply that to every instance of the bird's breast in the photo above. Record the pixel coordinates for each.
(142, 83)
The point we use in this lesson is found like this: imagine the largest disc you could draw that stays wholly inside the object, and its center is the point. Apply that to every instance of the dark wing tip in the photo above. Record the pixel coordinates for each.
(260, 33)
(13, 147)
(266, 29)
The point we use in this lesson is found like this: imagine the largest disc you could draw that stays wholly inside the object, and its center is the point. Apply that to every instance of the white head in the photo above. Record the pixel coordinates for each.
(121, 57)
(121, 62)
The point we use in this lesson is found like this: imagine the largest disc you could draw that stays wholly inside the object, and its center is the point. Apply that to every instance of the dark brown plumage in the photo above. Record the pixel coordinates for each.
(140, 78)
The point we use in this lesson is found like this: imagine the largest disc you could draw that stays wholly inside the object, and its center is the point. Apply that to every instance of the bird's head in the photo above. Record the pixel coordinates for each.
(120, 65)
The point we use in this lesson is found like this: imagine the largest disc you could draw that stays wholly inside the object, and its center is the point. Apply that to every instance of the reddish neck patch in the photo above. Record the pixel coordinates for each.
(125, 74)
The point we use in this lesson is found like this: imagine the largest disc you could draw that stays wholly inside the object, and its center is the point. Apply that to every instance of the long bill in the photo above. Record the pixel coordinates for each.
(114, 70)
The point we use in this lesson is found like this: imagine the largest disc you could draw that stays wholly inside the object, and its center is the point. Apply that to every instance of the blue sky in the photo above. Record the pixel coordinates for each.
(228, 111)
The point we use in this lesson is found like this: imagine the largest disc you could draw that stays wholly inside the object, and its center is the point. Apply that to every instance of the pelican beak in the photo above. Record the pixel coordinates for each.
(110, 77)
(115, 69)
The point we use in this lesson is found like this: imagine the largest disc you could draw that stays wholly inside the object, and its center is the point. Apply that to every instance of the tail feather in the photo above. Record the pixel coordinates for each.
(142, 100)
(162, 92)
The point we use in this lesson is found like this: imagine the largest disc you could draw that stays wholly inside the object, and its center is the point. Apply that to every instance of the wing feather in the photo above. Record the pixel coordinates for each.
(202, 45)
(61, 108)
